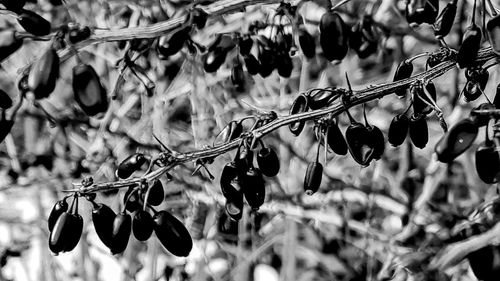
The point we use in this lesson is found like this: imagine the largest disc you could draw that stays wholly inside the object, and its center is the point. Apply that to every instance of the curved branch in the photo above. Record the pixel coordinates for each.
(358, 97)
(155, 30)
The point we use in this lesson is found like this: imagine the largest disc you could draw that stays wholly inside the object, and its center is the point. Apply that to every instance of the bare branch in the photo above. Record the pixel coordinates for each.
(358, 97)
(155, 30)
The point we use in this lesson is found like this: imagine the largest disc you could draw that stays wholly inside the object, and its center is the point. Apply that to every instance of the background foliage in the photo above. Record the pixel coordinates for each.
(363, 224)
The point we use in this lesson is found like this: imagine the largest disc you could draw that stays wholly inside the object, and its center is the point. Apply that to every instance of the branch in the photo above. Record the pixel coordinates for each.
(455, 253)
(155, 30)
(358, 97)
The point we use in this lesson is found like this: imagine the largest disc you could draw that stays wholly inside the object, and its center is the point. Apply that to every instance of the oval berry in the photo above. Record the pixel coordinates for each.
(44, 74)
(456, 141)
(103, 218)
(130, 164)
(122, 226)
(419, 132)
(34, 23)
(142, 225)
(172, 234)
(268, 161)
(59, 208)
(88, 90)
(156, 193)
(312, 179)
